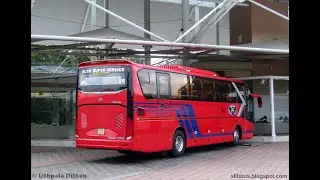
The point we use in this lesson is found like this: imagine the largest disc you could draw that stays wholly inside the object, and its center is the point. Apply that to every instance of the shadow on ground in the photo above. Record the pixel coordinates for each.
(135, 158)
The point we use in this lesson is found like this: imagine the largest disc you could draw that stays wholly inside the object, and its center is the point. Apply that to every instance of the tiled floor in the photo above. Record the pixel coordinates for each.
(259, 161)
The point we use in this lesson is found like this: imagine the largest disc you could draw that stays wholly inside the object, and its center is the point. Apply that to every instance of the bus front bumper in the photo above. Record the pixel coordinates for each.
(103, 144)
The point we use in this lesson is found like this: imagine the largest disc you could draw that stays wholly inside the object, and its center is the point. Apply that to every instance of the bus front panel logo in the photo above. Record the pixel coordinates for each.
(232, 109)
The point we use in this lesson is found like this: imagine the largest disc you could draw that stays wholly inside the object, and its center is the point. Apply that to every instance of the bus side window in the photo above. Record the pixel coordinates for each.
(242, 91)
(180, 86)
(163, 85)
(222, 90)
(208, 90)
(196, 88)
(148, 84)
(234, 96)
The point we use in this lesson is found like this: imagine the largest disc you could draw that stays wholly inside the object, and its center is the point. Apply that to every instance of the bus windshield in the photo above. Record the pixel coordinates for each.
(102, 79)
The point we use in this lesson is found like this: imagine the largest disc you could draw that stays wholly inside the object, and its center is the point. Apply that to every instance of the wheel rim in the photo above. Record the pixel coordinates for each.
(236, 136)
(179, 143)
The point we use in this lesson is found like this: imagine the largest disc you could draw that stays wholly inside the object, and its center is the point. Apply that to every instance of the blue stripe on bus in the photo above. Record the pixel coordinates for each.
(179, 119)
(187, 123)
(193, 120)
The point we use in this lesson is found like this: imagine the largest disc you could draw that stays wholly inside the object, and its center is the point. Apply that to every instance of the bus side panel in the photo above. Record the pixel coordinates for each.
(201, 121)
(229, 120)
(155, 129)
(247, 129)
(145, 136)
(167, 123)
(211, 121)
(215, 122)
(208, 117)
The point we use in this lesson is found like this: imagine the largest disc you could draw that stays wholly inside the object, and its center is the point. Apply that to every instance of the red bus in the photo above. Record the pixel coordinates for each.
(130, 107)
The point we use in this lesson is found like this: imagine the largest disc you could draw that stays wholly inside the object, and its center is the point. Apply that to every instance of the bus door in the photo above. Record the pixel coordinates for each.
(164, 106)
(249, 110)
(250, 104)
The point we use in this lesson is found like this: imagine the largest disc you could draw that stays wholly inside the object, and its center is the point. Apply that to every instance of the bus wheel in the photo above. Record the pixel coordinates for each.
(179, 144)
(236, 136)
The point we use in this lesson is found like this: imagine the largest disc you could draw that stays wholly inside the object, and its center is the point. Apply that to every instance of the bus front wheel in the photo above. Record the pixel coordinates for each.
(236, 136)
(178, 145)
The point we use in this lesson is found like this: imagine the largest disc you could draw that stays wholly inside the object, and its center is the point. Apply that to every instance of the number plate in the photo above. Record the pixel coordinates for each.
(100, 132)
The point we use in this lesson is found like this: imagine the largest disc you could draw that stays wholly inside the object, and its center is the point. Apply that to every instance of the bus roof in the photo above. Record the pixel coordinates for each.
(169, 68)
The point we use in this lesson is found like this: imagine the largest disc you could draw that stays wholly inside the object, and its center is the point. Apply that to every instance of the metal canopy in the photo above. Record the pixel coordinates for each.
(276, 44)
(116, 37)
(108, 33)
(157, 43)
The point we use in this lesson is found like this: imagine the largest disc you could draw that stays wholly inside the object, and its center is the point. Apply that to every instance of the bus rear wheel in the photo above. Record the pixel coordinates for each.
(178, 145)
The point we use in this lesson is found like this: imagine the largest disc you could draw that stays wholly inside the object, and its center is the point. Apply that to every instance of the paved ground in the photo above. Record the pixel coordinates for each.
(259, 161)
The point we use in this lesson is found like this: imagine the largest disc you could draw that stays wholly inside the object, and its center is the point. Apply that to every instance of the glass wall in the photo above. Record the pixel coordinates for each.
(262, 116)
(55, 108)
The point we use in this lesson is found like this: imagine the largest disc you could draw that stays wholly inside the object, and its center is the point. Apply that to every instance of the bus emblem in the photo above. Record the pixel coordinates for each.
(100, 99)
(232, 109)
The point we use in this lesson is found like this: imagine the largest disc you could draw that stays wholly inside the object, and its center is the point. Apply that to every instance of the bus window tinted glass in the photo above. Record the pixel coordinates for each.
(163, 86)
(208, 90)
(180, 86)
(222, 91)
(102, 79)
(233, 96)
(241, 88)
(148, 83)
(196, 88)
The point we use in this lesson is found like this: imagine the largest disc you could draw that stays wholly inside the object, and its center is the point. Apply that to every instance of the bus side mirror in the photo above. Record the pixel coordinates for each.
(259, 99)
(259, 102)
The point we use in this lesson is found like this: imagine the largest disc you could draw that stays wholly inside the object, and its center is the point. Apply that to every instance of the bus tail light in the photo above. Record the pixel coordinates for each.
(129, 129)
